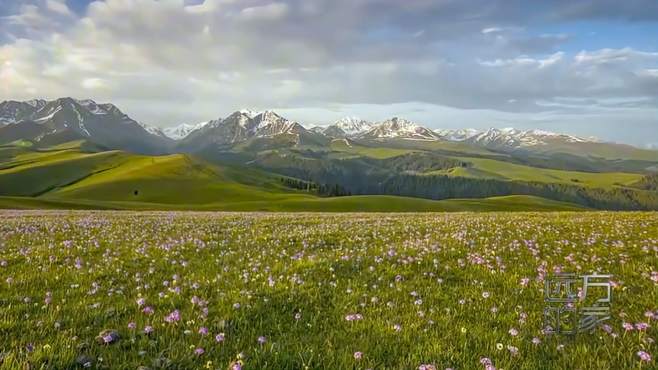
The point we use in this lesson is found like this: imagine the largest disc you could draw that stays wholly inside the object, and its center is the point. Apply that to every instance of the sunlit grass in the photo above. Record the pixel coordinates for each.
(295, 291)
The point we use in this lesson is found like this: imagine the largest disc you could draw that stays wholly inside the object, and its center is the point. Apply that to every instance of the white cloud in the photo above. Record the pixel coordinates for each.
(94, 83)
(165, 61)
(271, 11)
(491, 30)
(58, 6)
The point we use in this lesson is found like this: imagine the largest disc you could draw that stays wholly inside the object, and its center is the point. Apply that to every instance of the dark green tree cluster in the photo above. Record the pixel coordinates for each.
(648, 182)
(294, 183)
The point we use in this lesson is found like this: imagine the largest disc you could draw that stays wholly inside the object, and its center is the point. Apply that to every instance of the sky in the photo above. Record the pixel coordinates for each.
(583, 67)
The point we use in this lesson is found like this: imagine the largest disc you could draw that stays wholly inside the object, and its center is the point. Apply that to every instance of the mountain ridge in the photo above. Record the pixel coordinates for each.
(48, 122)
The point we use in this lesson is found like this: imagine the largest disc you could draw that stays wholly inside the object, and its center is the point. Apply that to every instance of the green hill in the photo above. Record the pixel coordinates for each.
(495, 169)
(66, 177)
(305, 203)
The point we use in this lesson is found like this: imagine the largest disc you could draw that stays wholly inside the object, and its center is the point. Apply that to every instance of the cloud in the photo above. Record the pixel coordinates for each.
(206, 58)
(271, 11)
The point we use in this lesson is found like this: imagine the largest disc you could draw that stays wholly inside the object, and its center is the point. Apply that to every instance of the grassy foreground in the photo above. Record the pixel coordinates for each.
(317, 291)
(309, 203)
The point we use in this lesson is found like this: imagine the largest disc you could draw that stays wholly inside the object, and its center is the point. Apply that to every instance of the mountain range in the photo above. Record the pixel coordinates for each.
(351, 156)
(68, 119)
(106, 125)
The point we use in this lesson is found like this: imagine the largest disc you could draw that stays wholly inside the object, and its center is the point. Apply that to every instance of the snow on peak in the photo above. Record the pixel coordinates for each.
(268, 123)
(353, 125)
(457, 135)
(151, 129)
(182, 130)
(248, 112)
(400, 128)
(515, 138)
(92, 107)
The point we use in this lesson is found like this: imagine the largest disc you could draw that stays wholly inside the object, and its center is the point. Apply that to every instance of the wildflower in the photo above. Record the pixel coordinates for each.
(627, 326)
(199, 351)
(513, 350)
(644, 356)
(499, 346)
(397, 327)
(132, 325)
(485, 295)
(487, 363)
(141, 302)
(641, 326)
(262, 340)
(203, 330)
(358, 355)
(148, 310)
(513, 332)
(353, 317)
(219, 337)
(148, 329)
(426, 367)
(536, 341)
(174, 316)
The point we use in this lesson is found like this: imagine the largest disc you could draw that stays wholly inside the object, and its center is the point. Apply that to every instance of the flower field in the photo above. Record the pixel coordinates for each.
(178, 290)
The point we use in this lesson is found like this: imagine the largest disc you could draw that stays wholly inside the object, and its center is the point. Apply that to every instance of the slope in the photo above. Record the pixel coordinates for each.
(490, 168)
(307, 203)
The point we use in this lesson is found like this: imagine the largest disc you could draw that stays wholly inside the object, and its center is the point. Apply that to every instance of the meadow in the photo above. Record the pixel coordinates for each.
(195, 290)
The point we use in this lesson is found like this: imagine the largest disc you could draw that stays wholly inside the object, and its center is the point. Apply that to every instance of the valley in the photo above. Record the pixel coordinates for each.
(77, 153)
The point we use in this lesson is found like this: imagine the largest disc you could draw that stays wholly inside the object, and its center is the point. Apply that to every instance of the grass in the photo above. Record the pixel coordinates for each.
(317, 291)
(490, 168)
(373, 152)
(65, 177)
(308, 203)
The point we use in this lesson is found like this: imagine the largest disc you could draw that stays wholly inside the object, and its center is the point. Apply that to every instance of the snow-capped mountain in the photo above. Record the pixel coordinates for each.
(182, 130)
(240, 126)
(353, 125)
(12, 111)
(516, 139)
(347, 127)
(398, 128)
(269, 123)
(457, 135)
(70, 119)
(65, 119)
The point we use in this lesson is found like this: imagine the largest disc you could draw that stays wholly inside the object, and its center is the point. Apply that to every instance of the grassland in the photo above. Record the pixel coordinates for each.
(495, 169)
(318, 291)
(309, 203)
(66, 177)
(493, 166)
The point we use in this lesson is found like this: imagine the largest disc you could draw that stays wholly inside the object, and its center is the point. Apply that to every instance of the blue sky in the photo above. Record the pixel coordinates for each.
(585, 67)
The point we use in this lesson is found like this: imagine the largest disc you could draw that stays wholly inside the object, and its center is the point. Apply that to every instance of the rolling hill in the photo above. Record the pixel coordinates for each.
(68, 151)
(67, 177)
